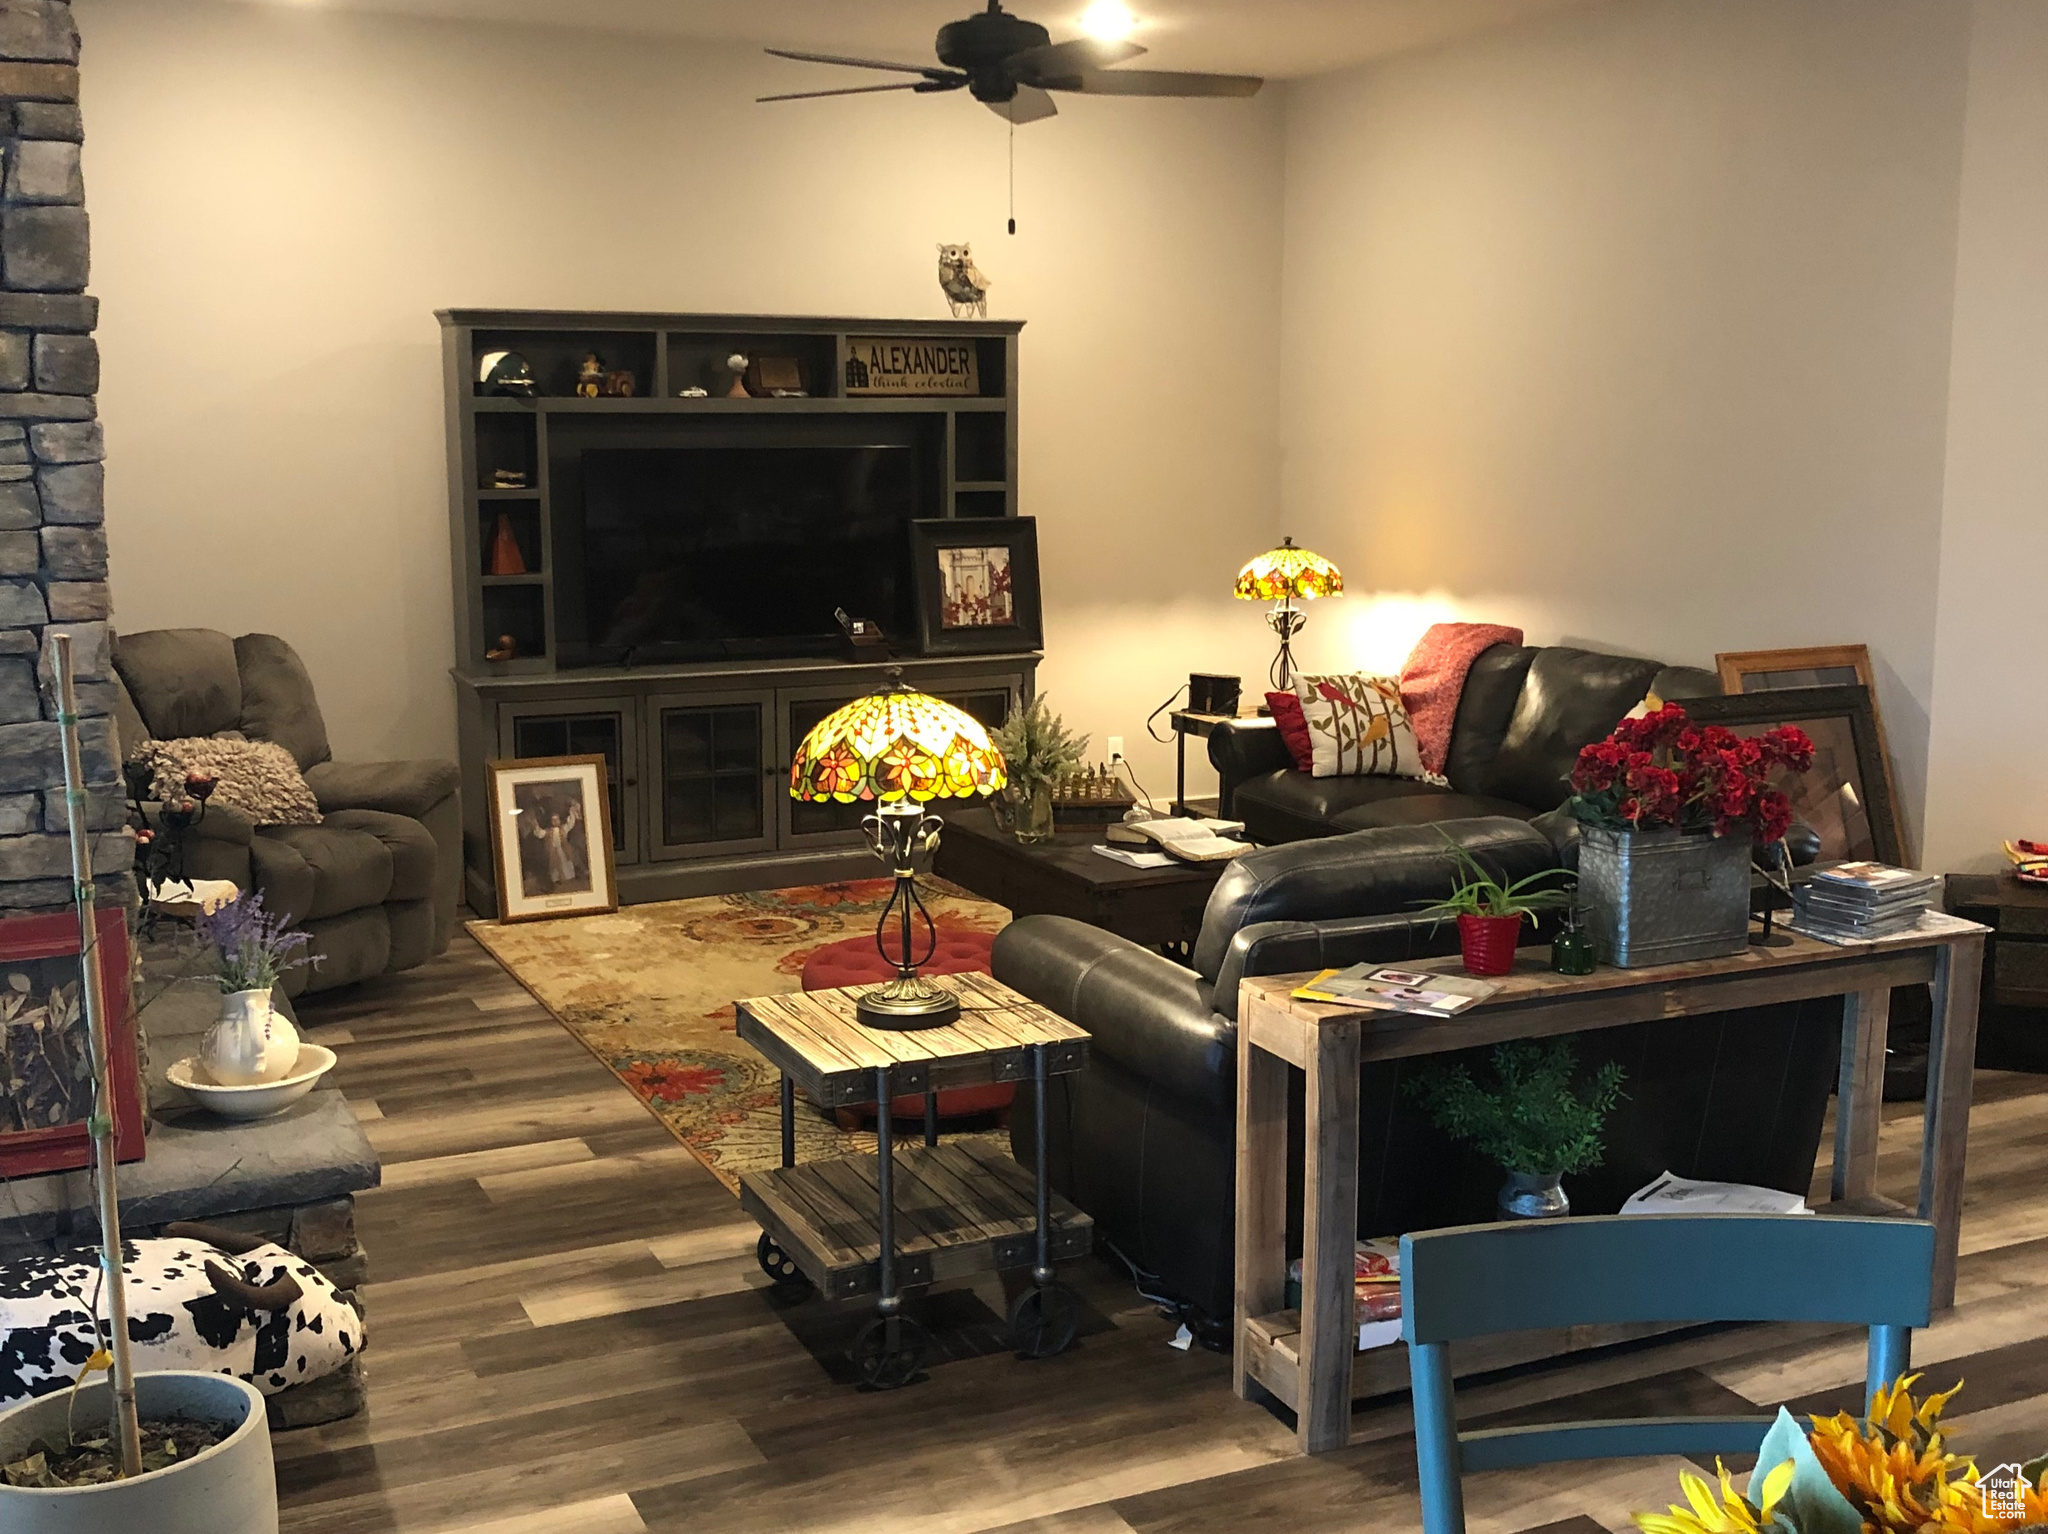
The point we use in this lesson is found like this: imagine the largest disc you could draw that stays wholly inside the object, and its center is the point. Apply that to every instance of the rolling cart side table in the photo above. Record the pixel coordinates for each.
(879, 1224)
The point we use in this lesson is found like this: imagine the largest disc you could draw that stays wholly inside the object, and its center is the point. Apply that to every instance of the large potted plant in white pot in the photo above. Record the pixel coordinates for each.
(1668, 813)
(167, 1453)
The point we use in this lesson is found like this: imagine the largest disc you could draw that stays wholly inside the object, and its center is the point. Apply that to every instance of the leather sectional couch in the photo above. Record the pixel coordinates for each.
(1522, 719)
(1144, 1137)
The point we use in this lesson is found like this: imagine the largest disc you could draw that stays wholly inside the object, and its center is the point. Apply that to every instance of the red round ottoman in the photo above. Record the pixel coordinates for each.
(856, 961)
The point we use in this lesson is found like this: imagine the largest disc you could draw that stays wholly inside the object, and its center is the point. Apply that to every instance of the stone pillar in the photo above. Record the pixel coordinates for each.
(53, 541)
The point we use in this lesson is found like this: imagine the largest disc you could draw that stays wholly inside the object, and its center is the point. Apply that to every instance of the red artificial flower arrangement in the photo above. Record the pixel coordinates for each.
(1663, 771)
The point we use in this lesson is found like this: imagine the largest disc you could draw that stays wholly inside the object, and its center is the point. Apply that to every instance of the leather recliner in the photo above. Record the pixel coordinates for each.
(1144, 1137)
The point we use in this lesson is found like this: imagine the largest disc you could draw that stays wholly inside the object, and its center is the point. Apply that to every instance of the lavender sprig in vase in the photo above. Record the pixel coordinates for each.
(250, 1044)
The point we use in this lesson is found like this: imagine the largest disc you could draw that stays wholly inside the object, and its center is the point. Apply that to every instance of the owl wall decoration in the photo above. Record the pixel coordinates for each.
(966, 289)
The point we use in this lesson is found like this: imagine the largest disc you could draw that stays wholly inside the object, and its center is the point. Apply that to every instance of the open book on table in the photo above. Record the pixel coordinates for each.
(1190, 840)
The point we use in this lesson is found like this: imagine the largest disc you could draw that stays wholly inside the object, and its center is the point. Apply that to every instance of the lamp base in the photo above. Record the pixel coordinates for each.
(905, 1005)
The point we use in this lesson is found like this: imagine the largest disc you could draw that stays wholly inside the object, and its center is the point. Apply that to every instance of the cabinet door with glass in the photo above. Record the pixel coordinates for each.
(606, 727)
(709, 768)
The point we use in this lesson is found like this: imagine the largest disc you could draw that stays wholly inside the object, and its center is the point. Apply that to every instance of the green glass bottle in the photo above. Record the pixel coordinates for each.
(1571, 951)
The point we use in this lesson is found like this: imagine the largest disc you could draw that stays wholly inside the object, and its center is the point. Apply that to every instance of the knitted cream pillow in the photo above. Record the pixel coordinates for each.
(257, 777)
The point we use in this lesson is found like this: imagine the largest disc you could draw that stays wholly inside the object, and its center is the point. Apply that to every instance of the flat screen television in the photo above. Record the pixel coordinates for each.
(711, 552)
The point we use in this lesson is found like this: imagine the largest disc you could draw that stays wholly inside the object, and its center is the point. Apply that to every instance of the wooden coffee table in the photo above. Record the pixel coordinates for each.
(1159, 907)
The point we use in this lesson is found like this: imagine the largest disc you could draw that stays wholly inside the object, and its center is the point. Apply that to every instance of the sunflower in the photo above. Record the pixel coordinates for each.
(1896, 1471)
(1733, 1514)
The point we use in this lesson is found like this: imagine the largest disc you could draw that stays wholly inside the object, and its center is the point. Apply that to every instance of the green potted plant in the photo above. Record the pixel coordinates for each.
(1038, 750)
(1531, 1119)
(1490, 913)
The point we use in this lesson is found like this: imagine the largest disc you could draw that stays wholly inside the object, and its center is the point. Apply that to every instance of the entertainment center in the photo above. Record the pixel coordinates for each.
(653, 576)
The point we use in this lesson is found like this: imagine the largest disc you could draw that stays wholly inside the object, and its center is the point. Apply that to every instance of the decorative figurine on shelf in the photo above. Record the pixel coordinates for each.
(590, 376)
(965, 287)
(505, 556)
(505, 649)
(693, 391)
(504, 373)
(736, 364)
(618, 384)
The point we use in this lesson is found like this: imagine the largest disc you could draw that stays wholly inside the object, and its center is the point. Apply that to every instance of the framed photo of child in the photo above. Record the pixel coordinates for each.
(551, 838)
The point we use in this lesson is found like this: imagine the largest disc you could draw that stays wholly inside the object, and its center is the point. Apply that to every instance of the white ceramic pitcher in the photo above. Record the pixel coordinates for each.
(251, 1043)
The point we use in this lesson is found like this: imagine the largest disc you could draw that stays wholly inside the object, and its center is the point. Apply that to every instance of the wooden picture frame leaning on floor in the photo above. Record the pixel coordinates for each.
(566, 869)
(1746, 672)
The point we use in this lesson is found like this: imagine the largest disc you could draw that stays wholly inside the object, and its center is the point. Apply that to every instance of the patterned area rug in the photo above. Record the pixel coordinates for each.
(649, 991)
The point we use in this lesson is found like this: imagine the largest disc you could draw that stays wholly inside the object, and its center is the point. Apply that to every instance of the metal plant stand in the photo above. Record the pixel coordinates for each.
(911, 1216)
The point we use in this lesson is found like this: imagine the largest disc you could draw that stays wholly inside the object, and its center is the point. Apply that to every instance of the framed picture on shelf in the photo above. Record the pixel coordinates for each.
(977, 584)
(1838, 665)
(551, 838)
(1846, 797)
(45, 1048)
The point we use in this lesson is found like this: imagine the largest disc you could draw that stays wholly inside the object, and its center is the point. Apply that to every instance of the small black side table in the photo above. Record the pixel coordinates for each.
(2013, 1031)
(1187, 722)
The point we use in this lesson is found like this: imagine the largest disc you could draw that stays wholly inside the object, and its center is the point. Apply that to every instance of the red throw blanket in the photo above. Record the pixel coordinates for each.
(1433, 679)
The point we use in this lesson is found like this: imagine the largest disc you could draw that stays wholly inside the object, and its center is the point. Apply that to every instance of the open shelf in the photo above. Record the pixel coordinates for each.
(556, 356)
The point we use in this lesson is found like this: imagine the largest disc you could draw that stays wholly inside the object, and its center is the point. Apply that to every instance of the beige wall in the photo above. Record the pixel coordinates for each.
(282, 197)
(1986, 773)
(1631, 327)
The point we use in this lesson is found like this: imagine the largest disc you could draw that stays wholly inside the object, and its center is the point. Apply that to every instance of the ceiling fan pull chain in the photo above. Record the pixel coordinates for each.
(1013, 175)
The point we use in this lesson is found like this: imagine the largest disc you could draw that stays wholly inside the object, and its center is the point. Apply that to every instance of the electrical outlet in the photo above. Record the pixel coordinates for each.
(1116, 748)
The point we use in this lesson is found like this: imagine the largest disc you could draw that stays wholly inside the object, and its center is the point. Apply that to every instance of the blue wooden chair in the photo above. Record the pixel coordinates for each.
(1476, 1280)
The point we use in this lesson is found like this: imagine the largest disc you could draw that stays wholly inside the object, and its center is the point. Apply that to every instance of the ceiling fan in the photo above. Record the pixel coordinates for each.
(1011, 66)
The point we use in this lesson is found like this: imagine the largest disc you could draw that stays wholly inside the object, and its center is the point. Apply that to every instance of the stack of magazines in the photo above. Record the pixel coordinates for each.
(1857, 902)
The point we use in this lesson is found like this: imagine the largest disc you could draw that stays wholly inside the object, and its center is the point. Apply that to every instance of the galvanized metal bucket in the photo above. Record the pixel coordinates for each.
(1662, 897)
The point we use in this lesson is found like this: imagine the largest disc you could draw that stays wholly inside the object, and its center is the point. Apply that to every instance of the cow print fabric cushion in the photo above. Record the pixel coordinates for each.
(176, 1319)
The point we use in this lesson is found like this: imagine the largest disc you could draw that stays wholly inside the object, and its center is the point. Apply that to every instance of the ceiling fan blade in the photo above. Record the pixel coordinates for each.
(1062, 61)
(927, 70)
(851, 90)
(1155, 82)
(1029, 105)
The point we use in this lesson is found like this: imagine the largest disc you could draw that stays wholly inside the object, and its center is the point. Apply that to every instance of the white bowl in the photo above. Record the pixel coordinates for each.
(261, 1099)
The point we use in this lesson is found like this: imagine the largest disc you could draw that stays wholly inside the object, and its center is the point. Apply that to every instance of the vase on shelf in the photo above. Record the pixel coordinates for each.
(1034, 814)
(505, 556)
(1532, 1196)
(250, 1044)
(1664, 896)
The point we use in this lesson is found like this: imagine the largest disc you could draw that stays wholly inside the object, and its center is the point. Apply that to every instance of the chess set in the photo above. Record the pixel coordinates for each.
(1093, 796)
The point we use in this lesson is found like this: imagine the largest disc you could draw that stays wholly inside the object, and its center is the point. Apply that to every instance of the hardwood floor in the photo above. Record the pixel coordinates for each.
(568, 1332)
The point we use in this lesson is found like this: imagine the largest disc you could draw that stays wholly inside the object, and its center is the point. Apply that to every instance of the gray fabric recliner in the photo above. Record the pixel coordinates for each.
(378, 882)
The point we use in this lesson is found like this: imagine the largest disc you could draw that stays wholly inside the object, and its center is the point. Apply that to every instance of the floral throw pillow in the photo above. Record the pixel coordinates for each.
(1358, 727)
(257, 777)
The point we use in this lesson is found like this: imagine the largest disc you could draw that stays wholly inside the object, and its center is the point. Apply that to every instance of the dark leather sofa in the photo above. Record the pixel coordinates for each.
(1144, 1137)
(1522, 719)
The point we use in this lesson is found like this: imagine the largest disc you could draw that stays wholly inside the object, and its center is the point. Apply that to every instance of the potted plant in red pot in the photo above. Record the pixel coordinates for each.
(1490, 913)
(1668, 814)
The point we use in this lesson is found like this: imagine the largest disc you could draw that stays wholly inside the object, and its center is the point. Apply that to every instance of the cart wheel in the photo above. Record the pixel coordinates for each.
(1043, 1321)
(781, 1269)
(889, 1352)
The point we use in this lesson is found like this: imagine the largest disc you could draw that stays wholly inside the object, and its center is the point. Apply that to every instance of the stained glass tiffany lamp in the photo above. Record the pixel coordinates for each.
(1280, 576)
(898, 750)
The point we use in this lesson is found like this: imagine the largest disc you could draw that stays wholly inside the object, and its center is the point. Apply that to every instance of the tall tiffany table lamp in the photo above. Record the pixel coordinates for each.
(1284, 576)
(898, 750)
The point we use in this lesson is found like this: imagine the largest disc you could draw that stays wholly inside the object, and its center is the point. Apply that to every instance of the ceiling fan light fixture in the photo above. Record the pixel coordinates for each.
(1108, 20)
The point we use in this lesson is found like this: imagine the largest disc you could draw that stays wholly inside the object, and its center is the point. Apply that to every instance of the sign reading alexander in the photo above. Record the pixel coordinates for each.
(910, 365)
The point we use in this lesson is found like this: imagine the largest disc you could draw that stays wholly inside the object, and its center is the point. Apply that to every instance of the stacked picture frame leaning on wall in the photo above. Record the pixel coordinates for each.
(1847, 796)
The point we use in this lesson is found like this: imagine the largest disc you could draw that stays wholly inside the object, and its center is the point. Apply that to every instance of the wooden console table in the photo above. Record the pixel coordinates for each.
(1307, 1359)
